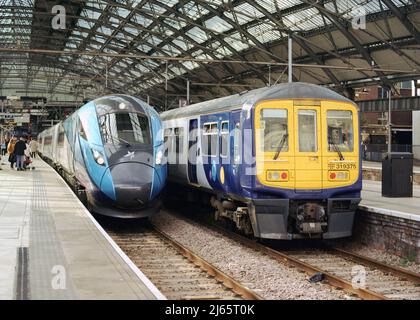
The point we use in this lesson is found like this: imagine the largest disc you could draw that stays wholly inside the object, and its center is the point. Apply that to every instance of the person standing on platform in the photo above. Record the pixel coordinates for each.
(27, 158)
(11, 150)
(20, 148)
(33, 147)
(3, 148)
(6, 144)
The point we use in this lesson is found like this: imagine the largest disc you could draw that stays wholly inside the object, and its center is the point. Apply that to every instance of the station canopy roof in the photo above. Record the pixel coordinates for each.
(152, 47)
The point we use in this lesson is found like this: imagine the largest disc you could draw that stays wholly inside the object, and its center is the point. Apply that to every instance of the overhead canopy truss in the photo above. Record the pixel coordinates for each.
(127, 42)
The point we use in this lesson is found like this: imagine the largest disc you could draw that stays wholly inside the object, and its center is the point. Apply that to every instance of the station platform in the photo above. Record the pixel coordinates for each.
(406, 208)
(51, 248)
(373, 171)
(378, 165)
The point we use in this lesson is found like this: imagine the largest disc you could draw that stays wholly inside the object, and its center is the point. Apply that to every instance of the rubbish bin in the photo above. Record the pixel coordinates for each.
(397, 174)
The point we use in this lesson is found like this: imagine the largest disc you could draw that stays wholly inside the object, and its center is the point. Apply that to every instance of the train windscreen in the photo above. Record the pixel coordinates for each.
(340, 130)
(125, 128)
(274, 130)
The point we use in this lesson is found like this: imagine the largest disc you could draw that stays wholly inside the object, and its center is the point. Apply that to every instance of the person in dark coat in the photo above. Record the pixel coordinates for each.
(19, 152)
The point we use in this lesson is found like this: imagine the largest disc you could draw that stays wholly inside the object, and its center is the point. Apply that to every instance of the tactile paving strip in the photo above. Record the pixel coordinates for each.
(47, 264)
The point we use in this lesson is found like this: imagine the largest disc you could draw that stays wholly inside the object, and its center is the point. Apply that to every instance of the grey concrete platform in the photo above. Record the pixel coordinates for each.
(406, 208)
(378, 165)
(52, 248)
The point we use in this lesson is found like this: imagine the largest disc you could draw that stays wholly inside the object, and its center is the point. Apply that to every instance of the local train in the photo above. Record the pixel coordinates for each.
(111, 152)
(281, 162)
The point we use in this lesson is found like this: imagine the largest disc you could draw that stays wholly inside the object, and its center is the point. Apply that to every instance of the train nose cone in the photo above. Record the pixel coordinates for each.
(132, 183)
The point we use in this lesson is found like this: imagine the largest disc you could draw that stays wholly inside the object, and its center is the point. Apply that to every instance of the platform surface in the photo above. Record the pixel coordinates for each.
(372, 200)
(52, 248)
(378, 165)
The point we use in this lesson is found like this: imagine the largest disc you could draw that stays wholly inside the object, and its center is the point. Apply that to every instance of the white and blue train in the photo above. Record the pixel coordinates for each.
(111, 152)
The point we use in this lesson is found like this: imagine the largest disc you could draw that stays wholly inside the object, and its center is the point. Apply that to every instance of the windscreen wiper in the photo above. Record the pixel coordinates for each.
(280, 146)
(128, 144)
(337, 149)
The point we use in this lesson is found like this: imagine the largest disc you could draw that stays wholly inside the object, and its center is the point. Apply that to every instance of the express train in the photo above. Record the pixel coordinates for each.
(111, 152)
(281, 162)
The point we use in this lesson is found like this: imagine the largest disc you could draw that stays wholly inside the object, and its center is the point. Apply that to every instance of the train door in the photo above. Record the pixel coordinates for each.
(235, 148)
(193, 151)
(224, 158)
(308, 149)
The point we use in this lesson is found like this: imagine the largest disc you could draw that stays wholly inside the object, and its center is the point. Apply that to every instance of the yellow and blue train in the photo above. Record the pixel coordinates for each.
(111, 152)
(282, 162)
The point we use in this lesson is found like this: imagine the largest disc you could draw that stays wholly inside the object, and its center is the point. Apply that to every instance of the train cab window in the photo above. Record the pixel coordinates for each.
(125, 128)
(307, 131)
(340, 130)
(224, 139)
(209, 139)
(274, 130)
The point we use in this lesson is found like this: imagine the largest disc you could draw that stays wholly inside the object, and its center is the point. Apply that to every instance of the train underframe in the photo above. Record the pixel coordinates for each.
(288, 219)
(274, 218)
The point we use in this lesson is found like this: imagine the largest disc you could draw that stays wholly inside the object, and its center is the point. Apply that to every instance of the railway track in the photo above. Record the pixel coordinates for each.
(360, 275)
(356, 274)
(177, 272)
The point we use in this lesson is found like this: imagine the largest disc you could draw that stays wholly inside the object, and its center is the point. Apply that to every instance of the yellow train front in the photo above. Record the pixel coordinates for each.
(308, 151)
(281, 162)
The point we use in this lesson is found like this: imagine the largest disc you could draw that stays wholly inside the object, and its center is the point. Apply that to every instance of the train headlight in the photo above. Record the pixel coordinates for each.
(99, 158)
(338, 175)
(159, 157)
(274, 175)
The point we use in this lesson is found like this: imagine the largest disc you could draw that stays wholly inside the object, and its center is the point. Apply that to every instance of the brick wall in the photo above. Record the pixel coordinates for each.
(394, 235)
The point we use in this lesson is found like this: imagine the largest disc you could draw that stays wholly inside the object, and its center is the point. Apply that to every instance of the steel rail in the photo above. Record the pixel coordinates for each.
(400, 272)
(309, 269)
(213, 271)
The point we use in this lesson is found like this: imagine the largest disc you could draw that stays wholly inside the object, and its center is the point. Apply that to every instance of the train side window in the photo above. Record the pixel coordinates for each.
(209, 139)
(166, 136)
(82, 132)
(179, 139)
(60, 142)
(236, 144)
(307, 131)
(224, 139)
(48, 140)
(340, 130)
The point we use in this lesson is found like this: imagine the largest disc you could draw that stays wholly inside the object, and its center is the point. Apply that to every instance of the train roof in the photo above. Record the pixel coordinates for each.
(282, 91)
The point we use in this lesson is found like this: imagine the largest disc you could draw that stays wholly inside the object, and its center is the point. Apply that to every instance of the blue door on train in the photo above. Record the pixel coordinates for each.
(223, 163)
(235, 147)
(193, 151)
(210, 149)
